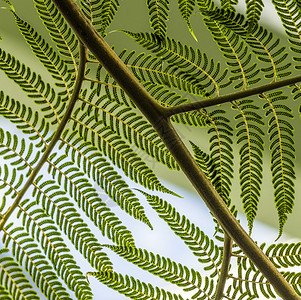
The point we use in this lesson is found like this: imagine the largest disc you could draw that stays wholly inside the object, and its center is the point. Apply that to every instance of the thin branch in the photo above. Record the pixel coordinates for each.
(227, 252)
(174, 110)
(157, 116)
(56, 136)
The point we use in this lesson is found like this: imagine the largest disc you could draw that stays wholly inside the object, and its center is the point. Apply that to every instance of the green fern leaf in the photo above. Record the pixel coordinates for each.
(133, 288)
(47, 56)
(186, 8)
(282, 153)
(33, 85)
(182, 276)
(205, 5)
(25, 119)
(9, 4)
(60, 32)
(158, 12)
(55, 204)
(27, 253)
(190, 65)
(228, 4)
(13, 281)
(201, 246)
(254, 10)
(77, 185)
(100, 13)
(43, 230)
(249, 135)
(118, 151)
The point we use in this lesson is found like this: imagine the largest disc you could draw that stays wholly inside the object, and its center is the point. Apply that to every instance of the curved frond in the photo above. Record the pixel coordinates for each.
(133, 288)
(254, 10)
(13, 283)
(110, 144)
(186, 8)
(48, 57)
(28, 254)
(282, 153)
(80, 189)
(184, 61)
(43, 230)
(201, 246)
(228, 4)
(25, 119)
(60, 32)
(33, 85)
(158, 11)
(175, 273)
(250, 137)
(100, 13)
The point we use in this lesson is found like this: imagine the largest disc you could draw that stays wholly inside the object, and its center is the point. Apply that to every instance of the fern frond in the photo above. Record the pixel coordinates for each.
(282, 153)
(220, 151)
(186, 8)
(150, 68)
(55, 204)
(131, 125)
(61, 34)
(8, 2)
(201, 246)
(80, 189)
(267, 49)
(205, 5)
(182, 276)
(118, 151)
(133, 288)
(42, 230)
(228, 4)
(25, 119)
(13, 281)
(47, 56)
(184, 61)
(254, 10)
(250, 136)
(158, 11)
(27, 253)
(100, 13)
(289, 13)
(33, 85)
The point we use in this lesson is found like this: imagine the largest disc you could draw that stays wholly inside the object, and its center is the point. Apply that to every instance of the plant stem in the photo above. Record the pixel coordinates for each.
(227, 252)
(159, 119)
(186, 107)
(56, 136)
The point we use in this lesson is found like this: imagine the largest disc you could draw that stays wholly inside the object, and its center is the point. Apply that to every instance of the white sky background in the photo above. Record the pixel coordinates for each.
(162, 240)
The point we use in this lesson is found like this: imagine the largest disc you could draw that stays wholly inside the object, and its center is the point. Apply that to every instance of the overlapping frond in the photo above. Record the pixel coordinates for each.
(33, 84)
(25, 119)
(28, 255)
(100, 13)
(13, 282)
(188, 279)
(112, 145)
(201, 246)
(133, 288)
(81, 190)
(59, 207)
(42, 229)
(186, 8)
(254, 10)
(185, 62)
(47, 56)
(158, 11)
(228, 4)
(266, 48)
(282, 153)
(61, 34)
(250, 138)
(220, 150)
(129, 124)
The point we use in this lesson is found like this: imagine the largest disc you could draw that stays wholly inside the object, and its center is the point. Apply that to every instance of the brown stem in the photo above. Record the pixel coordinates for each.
(159, 119)
(227, 252)
(56, 136)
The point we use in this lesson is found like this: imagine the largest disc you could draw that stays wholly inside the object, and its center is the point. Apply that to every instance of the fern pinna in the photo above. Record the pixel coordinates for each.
(84, 137)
